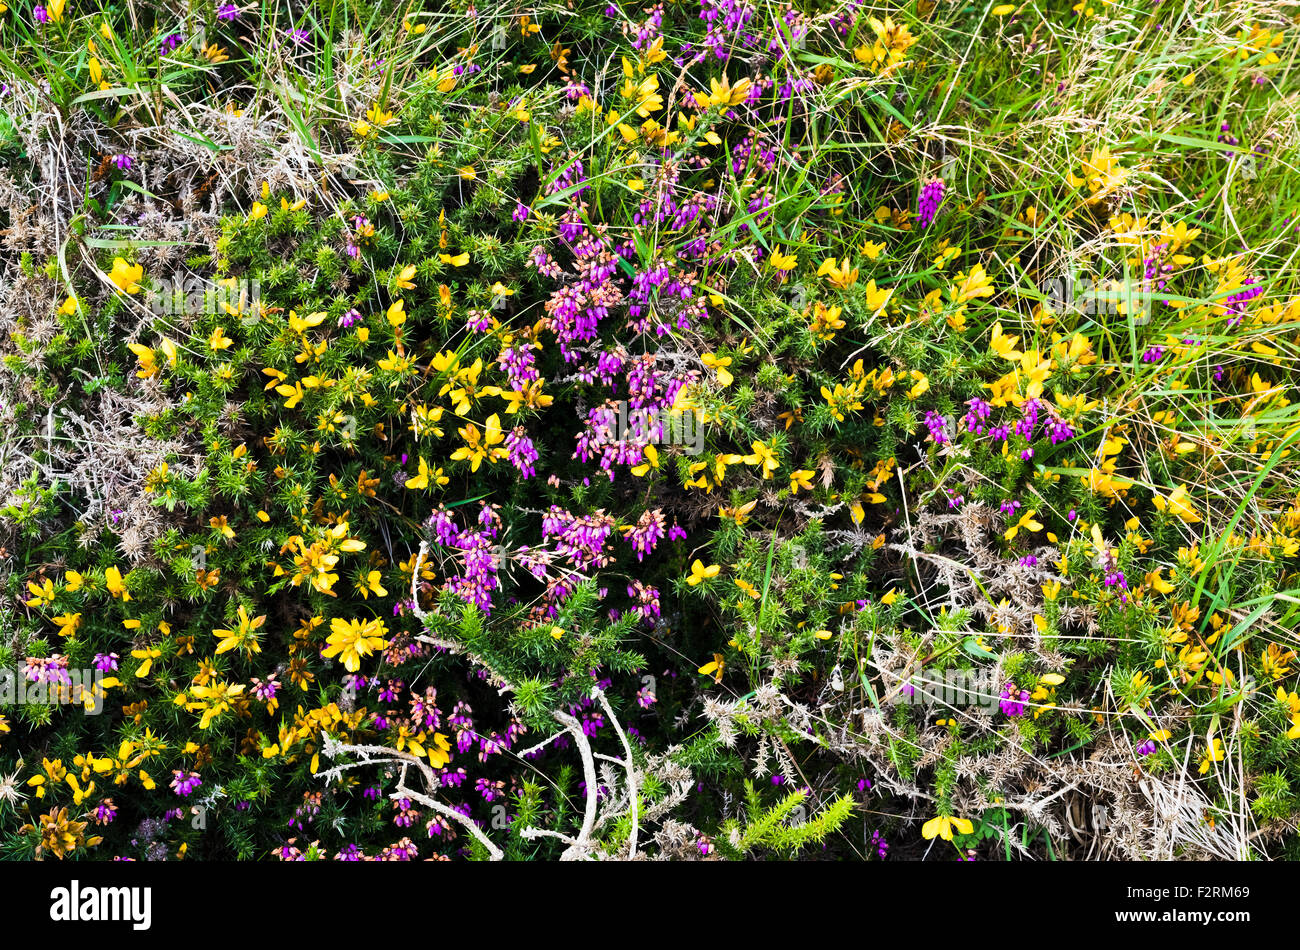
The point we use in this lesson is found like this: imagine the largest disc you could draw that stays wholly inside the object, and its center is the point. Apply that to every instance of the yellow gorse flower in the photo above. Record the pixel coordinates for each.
(714, 667)
(718, 365)
(116, 586)
(841, 275)
(701, 573)
(351, 640)
(479, 446)
(1102, 174)
(126, 277)
(41, 593)
(943, 826)
(244, 636)
(763, 457)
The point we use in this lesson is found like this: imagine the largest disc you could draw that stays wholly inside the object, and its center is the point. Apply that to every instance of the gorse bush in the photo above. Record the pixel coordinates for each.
(704, 429)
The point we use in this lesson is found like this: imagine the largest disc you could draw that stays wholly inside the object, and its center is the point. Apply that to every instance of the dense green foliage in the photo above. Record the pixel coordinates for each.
(701, 430)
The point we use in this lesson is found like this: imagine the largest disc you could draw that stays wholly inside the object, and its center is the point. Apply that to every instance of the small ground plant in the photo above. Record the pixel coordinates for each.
(700, 429)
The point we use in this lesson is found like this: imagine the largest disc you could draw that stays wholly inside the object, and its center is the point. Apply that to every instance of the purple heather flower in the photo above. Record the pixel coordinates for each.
(646, 600)
(521, 452)
(228, 12)
(1013, 701)
(185, 783)
(105, 812)
(170, 42)
(52, 669)
(1058, 430)
(646, 533)
(880, 844)
(975, 416)
(927, 206)
(453, 779)
(122, 161)
(937, 425)
(1146, 748)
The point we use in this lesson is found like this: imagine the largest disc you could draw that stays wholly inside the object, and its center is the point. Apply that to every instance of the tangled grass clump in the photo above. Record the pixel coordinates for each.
(695, 430)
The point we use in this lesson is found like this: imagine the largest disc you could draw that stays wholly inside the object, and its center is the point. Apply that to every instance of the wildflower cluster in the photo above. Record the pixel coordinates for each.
(667, 381)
